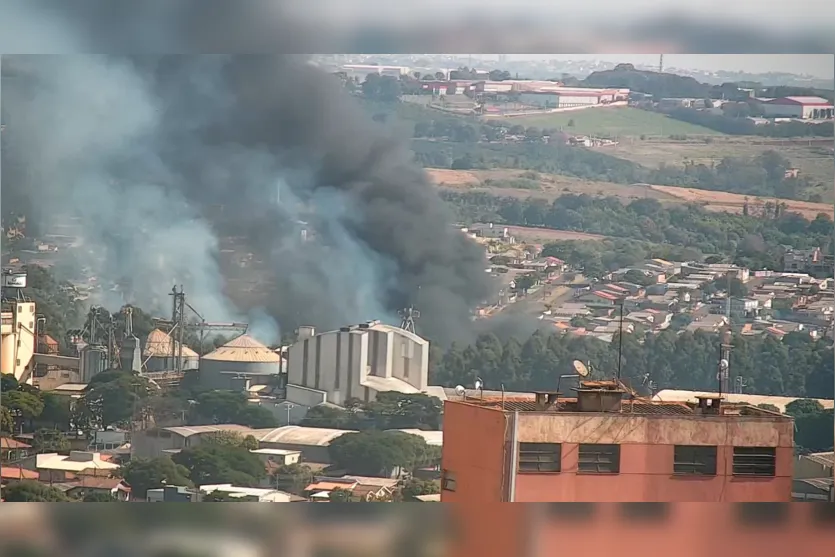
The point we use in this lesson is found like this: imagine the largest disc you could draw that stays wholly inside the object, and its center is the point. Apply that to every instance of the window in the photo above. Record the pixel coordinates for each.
(448, 481)
(539, 457)
(755, 461)
(694, 460)
(599, 459)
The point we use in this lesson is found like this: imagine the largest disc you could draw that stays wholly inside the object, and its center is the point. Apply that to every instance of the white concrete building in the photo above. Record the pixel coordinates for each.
(355, 362)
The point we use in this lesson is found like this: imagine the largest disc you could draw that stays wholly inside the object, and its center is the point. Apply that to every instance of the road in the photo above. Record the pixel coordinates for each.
(551, 294)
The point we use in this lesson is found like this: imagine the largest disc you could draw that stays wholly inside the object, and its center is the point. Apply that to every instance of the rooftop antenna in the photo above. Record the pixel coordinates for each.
(580, 370)
(479, 386)
(407, 318)
(620, 340)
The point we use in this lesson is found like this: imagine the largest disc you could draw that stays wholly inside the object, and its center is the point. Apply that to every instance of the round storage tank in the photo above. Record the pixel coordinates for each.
(241, 356)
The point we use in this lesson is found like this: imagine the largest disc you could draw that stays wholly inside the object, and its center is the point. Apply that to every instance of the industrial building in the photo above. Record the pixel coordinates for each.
(806, 108)
(159, 350)
(604, 447)
(239, 364)
(18, 336)
(355, 362)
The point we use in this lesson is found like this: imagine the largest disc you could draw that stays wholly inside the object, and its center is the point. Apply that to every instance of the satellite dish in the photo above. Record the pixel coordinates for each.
(723, 364)
(580, 368)
(460, 390)
(479, 384)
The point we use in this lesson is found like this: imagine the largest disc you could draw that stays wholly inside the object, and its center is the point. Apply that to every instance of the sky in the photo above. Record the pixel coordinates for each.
(817, 65)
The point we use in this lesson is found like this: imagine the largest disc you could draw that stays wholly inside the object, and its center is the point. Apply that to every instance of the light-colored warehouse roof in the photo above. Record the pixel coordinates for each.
(671, 395)
(298, 435)
(435, 438)
(243, 349)
(158, 345)
(188, 431)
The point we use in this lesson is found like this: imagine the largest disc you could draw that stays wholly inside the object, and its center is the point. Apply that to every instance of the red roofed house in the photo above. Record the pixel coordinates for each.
(816, 108)
(12, 449)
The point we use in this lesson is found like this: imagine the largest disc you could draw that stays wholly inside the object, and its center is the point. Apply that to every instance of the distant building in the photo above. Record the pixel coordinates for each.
(806, 108)
(161, 352)
(599, 447)
(812, 261)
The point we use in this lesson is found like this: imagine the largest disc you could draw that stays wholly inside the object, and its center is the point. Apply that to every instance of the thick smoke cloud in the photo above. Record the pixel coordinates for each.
(162, 156)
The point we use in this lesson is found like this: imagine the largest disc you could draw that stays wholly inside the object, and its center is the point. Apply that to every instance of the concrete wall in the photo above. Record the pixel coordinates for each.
(474, 437)
(18, 340)
(474, 452)
(337, 362)
(646, 470)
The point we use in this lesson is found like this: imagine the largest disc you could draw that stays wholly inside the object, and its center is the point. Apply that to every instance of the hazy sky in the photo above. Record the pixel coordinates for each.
(818, 65)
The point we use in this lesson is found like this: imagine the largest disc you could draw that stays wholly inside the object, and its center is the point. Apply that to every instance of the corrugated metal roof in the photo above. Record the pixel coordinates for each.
(243, 349)
(669, 395)
(158, 345)
(826, 459)
(298, 435)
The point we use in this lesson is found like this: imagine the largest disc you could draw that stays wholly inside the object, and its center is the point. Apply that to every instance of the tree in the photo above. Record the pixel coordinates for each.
(27, 491)
(394, 410)
(525, 282)
(414, 487)
(56, 412)
(802, 407)
(98, 497)
(293, 478)
(373, 453)
(114, 397)
(213, 464)
(23, 407)
(230, 407)
(142, 474)
(770, 407)
(50, 441)
(339, 495)
(637, 277)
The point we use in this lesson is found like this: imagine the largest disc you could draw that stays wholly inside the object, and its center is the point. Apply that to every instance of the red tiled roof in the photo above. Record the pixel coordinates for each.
(9, 443)
(14, 473)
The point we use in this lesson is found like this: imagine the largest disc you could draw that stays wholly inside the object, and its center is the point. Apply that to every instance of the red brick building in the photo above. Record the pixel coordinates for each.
(600, 447)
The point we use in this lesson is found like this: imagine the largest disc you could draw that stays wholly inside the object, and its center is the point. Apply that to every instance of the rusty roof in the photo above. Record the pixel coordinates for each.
(528, 404)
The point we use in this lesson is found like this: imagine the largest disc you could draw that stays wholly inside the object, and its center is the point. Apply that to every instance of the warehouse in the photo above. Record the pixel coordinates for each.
(806, 108)
(239, 364)
(312, 442)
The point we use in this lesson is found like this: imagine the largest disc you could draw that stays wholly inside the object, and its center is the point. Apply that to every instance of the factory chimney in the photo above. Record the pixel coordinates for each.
(129, 354)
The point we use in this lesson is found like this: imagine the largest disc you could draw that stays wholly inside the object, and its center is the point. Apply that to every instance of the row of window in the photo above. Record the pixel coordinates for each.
(687, 459)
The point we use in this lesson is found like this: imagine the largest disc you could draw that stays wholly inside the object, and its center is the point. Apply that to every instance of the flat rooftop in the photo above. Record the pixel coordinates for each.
(638, 406)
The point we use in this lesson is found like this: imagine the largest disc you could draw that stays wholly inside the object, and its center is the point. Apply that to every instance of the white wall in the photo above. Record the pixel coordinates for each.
(782, 110)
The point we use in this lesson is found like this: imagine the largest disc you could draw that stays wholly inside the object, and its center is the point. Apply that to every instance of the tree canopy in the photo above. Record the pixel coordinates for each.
(374, 453)
(390, 410)
(27, 491)
(142, 474)
(221, 463)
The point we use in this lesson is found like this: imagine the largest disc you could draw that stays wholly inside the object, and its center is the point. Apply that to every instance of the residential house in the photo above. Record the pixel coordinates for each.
(740, 308)
(248, 494)
(57, 468)
(665, 302)
(654, 319)
(361, 488)
(711, 323)
(12, 450)
(115, 487)
(172, 494)
(600, 297)
(632, 289)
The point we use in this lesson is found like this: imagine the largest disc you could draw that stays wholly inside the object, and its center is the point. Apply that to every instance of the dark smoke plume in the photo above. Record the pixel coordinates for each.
(162, 156)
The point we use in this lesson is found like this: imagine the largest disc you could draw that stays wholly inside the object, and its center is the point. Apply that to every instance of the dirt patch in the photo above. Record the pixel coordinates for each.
(734, 203)
(452, 178)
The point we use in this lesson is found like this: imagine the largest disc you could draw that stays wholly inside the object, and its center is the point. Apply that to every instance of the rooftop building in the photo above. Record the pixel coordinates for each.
(601, 446)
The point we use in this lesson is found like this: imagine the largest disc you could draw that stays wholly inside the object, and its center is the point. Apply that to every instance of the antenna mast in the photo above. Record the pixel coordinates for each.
(407, 319)
(178, 326)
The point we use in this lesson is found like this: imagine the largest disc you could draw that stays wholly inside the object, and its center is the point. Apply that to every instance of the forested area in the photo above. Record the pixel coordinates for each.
(753, 241)
(743, 126)
(797, 367)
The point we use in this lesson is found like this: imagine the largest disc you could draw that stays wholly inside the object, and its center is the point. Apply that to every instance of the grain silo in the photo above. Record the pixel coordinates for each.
(238, 362)
(159, 351)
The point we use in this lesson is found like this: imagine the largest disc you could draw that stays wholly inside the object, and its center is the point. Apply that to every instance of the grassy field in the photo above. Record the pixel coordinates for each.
(813, 160)
(616, 121)
(553, 186)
